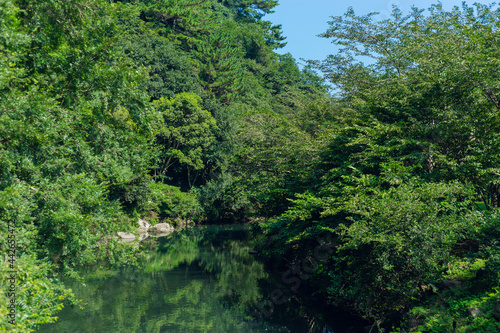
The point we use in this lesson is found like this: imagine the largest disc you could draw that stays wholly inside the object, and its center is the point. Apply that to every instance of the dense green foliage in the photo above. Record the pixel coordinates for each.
(177, 111)
(112, 111)
(406, 187)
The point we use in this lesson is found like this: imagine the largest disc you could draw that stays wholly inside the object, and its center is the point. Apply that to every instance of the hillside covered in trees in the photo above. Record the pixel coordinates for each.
(177, 110)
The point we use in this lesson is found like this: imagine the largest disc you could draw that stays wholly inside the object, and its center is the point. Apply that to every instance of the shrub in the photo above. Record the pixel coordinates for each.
(172, 204)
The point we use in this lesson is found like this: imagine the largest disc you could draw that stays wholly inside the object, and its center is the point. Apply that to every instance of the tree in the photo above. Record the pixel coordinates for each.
(435, 77)
(414, 147)
(171, 70)
(252, 11)
(186, 135)
(220, 63)
(183, 22)
(74, 129)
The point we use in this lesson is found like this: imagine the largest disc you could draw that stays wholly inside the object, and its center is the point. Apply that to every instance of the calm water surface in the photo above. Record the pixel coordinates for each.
(200, 279)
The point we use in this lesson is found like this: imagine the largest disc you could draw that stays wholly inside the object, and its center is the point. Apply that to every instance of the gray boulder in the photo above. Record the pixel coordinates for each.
(143, 236)
(143, 226)
(160, 228)
(126, 236)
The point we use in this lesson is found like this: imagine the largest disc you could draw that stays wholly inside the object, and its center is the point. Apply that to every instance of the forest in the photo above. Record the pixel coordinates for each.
(182, 110)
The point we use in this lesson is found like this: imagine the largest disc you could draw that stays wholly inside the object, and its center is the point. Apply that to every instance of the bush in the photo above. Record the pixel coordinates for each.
(223, 200)
(38, 295)
(395, 236)
(396, 243)
(173, 204)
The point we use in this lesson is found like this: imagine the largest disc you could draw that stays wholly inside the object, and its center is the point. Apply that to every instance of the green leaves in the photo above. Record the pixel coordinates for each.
(187, 132)
(74, 131)
(220, 63)
(434, 78)
(38, 294)
(184, 17)
(398, 173)
(174, 205)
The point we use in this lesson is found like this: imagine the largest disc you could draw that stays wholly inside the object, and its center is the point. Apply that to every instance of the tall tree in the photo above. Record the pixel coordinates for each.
(186, 135)
(430, 78)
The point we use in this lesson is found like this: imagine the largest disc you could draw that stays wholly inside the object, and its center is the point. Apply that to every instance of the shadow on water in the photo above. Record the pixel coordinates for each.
(201, 279)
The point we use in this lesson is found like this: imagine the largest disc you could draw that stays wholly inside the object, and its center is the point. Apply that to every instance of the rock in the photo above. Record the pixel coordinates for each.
(161, 234)
(475, 312)
(144, 223)
(160, 228)
(143, 236)
(126, 236)
(142, 230)
(143, 226)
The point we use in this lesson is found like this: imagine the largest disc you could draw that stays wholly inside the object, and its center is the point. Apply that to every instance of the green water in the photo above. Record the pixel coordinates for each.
(201, 279)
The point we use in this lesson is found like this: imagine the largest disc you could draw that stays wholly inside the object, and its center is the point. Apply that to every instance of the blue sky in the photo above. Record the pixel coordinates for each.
(303, 20)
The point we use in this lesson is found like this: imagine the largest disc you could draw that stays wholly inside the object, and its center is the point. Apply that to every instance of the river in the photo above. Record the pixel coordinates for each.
(200, 279)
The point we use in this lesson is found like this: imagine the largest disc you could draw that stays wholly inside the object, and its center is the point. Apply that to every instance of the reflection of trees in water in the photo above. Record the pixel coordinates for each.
(237, 273)
(200, 280)
(112, 302)
(179, 248)
(221, 279)
(213, 302)
(205, 305)
(195, 309)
